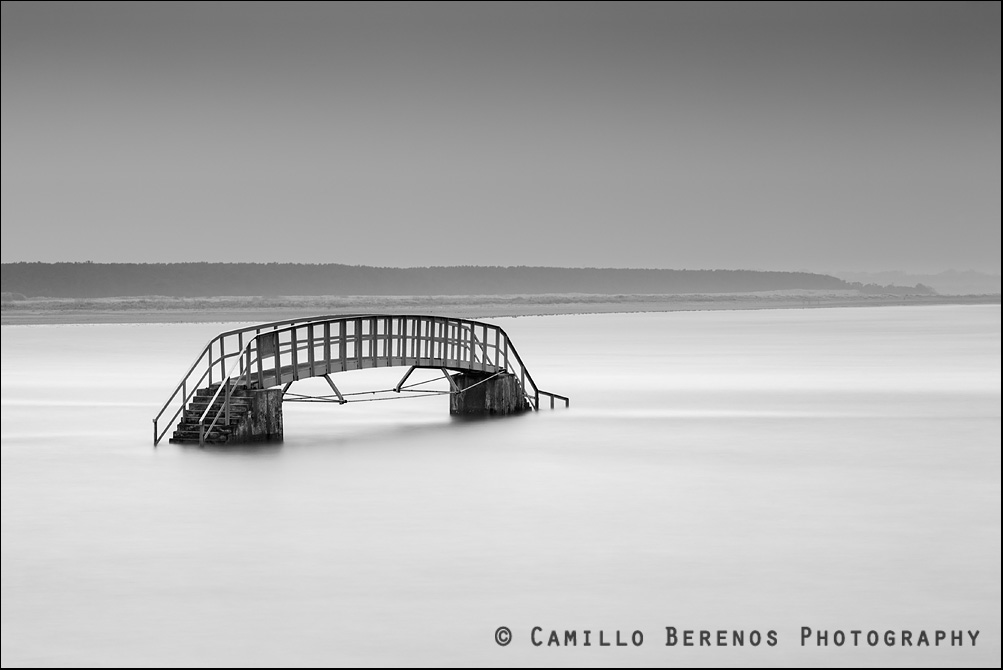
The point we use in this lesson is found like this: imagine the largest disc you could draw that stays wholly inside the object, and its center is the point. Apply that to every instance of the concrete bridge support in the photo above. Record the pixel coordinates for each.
(263, 422)
(483, 394)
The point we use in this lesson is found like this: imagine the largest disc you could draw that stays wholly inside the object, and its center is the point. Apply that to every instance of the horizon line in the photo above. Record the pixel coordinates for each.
(490, 266)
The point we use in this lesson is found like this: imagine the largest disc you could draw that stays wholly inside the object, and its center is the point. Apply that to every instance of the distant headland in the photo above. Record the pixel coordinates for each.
(41, 293)
(192, 280)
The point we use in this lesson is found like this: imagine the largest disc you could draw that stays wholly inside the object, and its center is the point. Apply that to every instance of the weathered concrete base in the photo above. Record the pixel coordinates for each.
(501, 394)
(264, 419)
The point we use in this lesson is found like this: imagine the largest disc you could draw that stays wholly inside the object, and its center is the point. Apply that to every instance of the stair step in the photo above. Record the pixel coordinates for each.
(234, 407)
(201, 407)
(234, 400)
(205, 397)
(212, 388)
(194, 428)
(192, 425)
(194, 435)
(195, 440)
(220, 425)
(237, 393)
(234, 411)
(187, 429)
(193, 417)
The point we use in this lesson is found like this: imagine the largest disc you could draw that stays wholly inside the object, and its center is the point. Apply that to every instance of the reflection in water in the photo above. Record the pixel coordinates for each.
(727, 470)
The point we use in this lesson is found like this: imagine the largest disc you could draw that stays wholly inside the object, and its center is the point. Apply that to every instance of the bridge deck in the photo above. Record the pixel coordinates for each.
(290, 373)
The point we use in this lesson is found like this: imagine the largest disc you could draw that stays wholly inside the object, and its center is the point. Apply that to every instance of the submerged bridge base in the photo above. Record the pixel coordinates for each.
(264, 421)
(482, 394)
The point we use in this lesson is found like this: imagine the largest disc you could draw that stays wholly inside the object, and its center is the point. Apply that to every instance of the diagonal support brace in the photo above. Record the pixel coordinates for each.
(341, 398)
(449, 378)
(397, 389)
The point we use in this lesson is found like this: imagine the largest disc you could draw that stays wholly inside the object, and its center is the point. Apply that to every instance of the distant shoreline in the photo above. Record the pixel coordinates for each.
(54, 311)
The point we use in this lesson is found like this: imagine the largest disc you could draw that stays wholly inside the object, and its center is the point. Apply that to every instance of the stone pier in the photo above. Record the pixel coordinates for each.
(263, 422)
(482, 394)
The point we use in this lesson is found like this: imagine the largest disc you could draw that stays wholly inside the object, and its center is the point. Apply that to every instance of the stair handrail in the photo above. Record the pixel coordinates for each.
(226, 401)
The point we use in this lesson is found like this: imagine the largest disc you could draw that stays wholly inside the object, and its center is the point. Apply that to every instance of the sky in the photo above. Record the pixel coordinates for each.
(767, 136)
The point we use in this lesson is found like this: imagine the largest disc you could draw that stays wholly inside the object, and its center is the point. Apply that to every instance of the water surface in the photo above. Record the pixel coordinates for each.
(753, 470)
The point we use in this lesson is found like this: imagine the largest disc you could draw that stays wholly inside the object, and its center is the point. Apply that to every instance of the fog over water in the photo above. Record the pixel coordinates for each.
(747, 470)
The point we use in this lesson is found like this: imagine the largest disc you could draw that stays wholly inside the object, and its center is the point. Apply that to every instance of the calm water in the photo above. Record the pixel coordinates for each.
(751, 470)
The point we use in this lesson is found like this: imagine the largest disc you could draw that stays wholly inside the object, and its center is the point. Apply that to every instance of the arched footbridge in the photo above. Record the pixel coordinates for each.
(234, 390)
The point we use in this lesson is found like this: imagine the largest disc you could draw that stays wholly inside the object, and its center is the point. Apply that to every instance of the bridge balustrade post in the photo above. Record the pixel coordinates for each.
(278, 359)
(431, 339)
(434, 352)
(419, 330)
(343, 344)
(472, 336)
(368, 341)
(484, 348)
(406, 340)
(428, 326)
(455, 339)
(402, 339)
(311, 357)
(257, 352)
(357, 325)
(327, 347)
(446, 339)
(497, 347)
(465, 343)
(438, 339)
(388, 341)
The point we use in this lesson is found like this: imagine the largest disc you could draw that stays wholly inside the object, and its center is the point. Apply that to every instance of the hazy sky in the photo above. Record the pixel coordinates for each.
(762, 136)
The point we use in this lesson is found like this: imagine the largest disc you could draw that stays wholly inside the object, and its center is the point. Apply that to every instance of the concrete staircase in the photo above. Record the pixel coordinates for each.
(187, 431)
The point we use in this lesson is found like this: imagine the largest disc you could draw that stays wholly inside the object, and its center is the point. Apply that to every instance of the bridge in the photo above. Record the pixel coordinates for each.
(234, 390)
